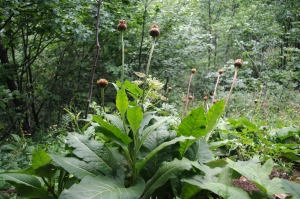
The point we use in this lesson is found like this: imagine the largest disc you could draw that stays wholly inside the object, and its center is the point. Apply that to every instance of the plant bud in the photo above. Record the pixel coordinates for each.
(194, 70)
(190, 97)
(221, 71)
(238, 63)
(169, 89)
(102, 83)
(154, 31)
(122, 25)
(205, 98)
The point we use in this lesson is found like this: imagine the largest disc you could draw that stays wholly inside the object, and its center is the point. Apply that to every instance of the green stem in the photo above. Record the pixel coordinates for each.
(187, 96)
(102, 99)
(123, 57)
(232, 85)
(215, 91)
(50, 188)
(147, 71)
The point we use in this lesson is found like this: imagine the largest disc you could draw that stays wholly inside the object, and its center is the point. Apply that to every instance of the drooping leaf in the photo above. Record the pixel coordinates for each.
(101, 187)
(78, 168)
(111, 129)
(92, 152)
(259, 175)
(122, 101)
(40, 158)
(134, 117)
(27, 185)
(193, 125)
(142, 162)
(167, 171)
(199, 151)
(213, 115)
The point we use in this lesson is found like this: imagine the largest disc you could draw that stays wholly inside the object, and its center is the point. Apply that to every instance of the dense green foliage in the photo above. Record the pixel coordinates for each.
(149, 130)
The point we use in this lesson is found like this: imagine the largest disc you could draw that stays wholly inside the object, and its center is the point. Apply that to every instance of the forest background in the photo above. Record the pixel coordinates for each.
(47, 50)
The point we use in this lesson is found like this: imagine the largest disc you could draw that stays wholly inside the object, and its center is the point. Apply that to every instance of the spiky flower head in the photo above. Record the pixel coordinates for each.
(205, 98)
(221, 71)
(190, 97)
(102, 83)
(238, 63)
(154, 31)
(194, 70)
(122, 26)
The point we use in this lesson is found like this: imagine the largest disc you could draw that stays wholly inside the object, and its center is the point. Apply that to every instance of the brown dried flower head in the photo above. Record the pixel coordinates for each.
(238, 63)
(102, 83)
(205, 98)
(255, 101)
(194, 70)
(122, 26)
(154, 31)
(221, 71)
(169, 89)
(190, 97)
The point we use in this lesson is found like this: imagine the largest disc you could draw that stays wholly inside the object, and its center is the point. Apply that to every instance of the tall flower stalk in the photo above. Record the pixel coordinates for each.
(102, 83)
(154, 33)
(237, 64)
(122, 26)
(216, 86)
(188, 91)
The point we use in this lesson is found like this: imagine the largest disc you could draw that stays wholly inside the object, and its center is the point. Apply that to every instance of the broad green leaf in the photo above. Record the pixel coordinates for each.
(145, 133)
(116, 121)
(112, 130)
(134, 117)
(78, 168)
(142, 162)
(189, 190)
(122, 101)
(27, 185)
(226, 191)
(292, 188)
(102, 187)
(199, 151)
(193, 125)
(167, 171)
(40, 158)
(210, 180)
(159, 136)
(259, 175)
(213, 115)
(92, 152)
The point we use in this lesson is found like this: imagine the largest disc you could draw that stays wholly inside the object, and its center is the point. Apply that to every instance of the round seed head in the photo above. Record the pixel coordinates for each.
(102, 83)
(255, 101)
(221, 71)
(205, 98)
(190, 97)
(238, 63)
(154, 31)
(194, 70)
(169, 89)
(122, 26)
